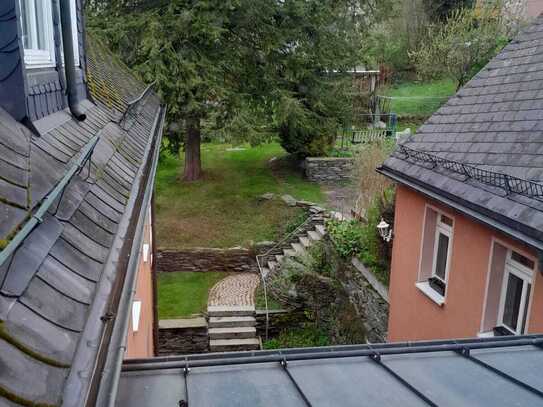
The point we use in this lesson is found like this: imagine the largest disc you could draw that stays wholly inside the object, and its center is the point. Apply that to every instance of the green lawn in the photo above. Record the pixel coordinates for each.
(222, 210)
(183, 294)
(431, 96)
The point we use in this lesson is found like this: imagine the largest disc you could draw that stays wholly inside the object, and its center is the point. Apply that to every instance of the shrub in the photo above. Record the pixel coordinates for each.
(304, 142)
(370, 182)
(362, 240)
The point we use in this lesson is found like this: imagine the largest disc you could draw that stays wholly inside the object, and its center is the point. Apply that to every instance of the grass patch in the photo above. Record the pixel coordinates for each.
(222, 210)
(183, 294)
(308, 336)
(441, 90)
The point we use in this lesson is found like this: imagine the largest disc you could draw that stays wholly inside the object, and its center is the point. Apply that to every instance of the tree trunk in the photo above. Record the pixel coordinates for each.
(193, 164)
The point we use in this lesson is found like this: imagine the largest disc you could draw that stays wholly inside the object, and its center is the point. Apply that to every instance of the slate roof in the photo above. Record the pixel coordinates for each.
(496, 372)
(494, 123)
(48, 288)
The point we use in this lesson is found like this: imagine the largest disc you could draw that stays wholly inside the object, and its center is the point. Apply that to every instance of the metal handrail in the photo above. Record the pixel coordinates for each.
(48, 201)
(267, 253)
(506, 182)
(130, 105)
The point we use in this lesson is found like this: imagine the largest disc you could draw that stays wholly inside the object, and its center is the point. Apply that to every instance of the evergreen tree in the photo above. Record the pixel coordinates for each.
(235, 64)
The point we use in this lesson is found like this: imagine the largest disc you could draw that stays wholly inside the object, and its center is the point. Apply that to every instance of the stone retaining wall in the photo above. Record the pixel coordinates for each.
(370, 298)
(181, 337)
(328, 169)
(279, 320)
(203, 259)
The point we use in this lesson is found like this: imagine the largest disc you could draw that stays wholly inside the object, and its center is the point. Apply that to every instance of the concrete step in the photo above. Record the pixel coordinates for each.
(243, 332)
(228, 345)
(231, 311)
(289, 252)
(227, 322)
(321, 230)
(315, 236)
(305, 241)
(279, 258)
(298, 248)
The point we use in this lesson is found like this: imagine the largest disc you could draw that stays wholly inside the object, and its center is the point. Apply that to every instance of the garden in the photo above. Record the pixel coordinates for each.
(241, 122)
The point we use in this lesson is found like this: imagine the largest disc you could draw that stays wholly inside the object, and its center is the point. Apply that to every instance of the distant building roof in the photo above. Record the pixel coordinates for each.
(57, 289)
(490, 372)
(495, 125)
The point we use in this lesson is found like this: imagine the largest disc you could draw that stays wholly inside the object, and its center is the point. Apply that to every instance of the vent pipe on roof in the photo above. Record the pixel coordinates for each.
(69, 63)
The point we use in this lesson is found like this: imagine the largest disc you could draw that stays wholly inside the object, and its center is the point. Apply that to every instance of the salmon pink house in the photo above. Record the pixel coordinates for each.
(468, 232)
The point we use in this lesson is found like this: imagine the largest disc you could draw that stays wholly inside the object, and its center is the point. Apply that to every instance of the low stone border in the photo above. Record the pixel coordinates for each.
(379, 287)
(182, 336)
(235, 260)
(329, 169)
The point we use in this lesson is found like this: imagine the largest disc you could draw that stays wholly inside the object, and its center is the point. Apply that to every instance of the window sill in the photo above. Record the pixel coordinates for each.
(424, 286)
(487, 334)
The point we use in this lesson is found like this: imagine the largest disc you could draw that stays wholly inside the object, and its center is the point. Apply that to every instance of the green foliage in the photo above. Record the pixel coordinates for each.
(244, 67)
(347, 236)
(362, 240)
(308, 336)
(461, 46)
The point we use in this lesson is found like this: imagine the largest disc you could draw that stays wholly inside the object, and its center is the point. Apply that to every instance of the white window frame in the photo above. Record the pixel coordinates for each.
(36, 58)
(526, 275)
(40, 58)
(443, 229)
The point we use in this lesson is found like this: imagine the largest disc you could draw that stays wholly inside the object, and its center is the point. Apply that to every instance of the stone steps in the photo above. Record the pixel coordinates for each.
(231, 345)
(235, 332)
(229, 322)
(230, 311)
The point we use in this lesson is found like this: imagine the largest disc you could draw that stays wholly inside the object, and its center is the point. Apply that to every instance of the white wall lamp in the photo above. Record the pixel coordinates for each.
(384, 230)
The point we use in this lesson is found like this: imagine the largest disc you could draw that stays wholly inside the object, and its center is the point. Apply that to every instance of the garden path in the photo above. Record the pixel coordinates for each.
(234, 290)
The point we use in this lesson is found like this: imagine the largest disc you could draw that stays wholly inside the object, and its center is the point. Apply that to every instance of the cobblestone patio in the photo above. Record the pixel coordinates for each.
(237, 289)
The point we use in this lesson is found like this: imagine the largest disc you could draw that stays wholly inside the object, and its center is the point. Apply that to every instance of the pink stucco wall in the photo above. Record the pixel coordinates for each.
(140, 342)
(414, 316)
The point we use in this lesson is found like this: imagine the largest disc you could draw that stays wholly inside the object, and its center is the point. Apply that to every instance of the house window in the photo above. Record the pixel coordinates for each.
(435, 255)
(37, 32)
(515, 294)
(442, 249)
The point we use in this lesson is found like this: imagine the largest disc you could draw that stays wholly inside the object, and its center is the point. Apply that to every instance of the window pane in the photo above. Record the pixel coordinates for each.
(519, 258)
(446, 220)
(512, 301)
(40, 25)
(33, 15)
(25, 23)
(441, 260)
(525, 313)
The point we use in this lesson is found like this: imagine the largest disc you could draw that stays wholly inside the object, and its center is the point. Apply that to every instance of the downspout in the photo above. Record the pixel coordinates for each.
(69, 64)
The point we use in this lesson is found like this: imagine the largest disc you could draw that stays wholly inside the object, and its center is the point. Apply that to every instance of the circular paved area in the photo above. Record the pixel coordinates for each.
(237, 289)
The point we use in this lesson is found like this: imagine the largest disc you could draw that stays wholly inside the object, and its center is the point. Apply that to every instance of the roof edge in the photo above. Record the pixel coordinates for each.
(83, 373)
(473, 211)
(107, 390)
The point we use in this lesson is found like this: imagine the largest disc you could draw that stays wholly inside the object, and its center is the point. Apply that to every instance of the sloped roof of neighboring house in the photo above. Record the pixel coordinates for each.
(60, 286)
(491, 372)
(482, 152)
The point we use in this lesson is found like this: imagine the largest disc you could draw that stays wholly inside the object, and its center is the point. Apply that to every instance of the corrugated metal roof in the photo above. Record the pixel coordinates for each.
(478, 372)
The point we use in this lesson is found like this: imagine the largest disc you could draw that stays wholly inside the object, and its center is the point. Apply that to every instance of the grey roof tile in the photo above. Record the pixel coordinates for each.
(494, 122)
(42, 383)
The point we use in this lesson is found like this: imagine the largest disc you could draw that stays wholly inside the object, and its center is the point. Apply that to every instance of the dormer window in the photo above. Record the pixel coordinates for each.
(37, 31)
